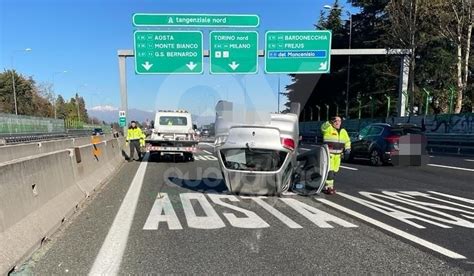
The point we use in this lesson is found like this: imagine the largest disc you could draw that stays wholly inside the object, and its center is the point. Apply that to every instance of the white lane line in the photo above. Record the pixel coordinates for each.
(469, 160)
(207, 152)
(349, 168)
(453, 197)
(449, 167)
(403, 234)
(110, 255)
(304, 149)
(431, 156)
(286, 220)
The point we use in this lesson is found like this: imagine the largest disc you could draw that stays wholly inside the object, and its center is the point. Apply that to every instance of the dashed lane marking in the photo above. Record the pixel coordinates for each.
(450, 167)
(110, 255)
(398, 232)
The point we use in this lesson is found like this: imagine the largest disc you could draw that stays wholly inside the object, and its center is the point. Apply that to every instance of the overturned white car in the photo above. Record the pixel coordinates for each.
(258, 154)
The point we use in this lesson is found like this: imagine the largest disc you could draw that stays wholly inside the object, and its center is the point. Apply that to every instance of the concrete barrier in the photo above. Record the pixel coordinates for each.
(8, 153)
(12, 152)
(93, 166)
(36, 195)
(38, 192)
(50, 146)
(81, 141)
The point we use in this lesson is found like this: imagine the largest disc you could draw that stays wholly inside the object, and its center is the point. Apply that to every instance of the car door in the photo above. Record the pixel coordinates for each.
(312, 170)
(357, 146)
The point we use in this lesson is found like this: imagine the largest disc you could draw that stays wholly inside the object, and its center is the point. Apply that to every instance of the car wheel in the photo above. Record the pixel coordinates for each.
(375, 159)
(188, 157)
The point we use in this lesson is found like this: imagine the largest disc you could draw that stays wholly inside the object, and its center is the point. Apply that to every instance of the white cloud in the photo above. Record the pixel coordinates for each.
(104, 108)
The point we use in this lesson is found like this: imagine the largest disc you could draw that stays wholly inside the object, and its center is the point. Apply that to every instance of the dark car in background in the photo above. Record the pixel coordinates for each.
(205, 133)
(379, 142)
(97, 131)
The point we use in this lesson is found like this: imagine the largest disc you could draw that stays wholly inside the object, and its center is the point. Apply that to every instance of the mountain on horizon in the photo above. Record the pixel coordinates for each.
(110, 114)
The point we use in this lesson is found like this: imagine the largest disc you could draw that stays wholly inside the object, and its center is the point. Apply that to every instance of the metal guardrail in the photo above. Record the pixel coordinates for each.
(30, 137)
(451, 143)
(457, 143)
(11, 139)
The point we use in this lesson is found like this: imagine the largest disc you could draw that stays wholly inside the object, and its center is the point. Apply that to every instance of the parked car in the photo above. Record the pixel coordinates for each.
(379, 142)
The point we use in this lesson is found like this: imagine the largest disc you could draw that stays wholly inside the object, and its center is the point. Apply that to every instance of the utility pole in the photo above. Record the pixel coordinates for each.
(348, 67)
(278, 91)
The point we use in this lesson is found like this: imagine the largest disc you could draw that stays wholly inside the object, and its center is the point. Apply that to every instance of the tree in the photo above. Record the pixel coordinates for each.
(455, 21)
(408, 28)
(318, 89)
(24, 88)
(82, 108)
(61, 108)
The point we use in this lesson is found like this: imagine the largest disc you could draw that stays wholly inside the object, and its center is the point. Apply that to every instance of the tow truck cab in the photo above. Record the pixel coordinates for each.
(172, 134)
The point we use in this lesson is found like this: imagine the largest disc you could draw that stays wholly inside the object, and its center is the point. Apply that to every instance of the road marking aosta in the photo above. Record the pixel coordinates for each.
(163, 213)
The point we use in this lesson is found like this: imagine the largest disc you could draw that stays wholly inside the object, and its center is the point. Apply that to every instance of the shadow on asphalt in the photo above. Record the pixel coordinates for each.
(204, 185)
(155, 158)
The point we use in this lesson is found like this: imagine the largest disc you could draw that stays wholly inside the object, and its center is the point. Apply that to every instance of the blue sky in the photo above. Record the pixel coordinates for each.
(82, 37)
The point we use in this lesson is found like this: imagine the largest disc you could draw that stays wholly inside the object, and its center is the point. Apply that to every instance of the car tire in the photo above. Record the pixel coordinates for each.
(188, 157)
(375, 158)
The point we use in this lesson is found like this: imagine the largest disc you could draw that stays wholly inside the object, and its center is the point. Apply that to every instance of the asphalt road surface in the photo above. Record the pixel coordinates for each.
(176, 217)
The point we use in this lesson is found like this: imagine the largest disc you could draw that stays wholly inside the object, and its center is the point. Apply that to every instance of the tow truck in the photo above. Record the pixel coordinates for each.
(172, 134)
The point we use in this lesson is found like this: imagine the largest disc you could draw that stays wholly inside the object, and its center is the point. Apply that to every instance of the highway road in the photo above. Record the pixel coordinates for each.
(166, 217)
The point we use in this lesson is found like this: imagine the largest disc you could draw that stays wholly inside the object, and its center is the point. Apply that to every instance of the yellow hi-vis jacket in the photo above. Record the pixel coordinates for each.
(136, 134)
(337, 140)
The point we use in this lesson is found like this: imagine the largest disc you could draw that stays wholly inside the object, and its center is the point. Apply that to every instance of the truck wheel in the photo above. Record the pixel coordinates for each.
(188, 157)
(155, 156)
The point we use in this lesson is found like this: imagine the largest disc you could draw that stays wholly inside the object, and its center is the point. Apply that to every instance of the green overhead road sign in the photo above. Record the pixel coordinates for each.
(233, 52)
(299, 52)
(168, 52)
(122, 118)
(195, 20)
(122, 121)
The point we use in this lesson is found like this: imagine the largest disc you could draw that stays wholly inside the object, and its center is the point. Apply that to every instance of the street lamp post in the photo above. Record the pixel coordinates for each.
(327, 112)
(371, 106)
(348, 78)
(278, 91)
(319, 112)
(388, 105)
(427, 93)
(13, 78)
(360, 106)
